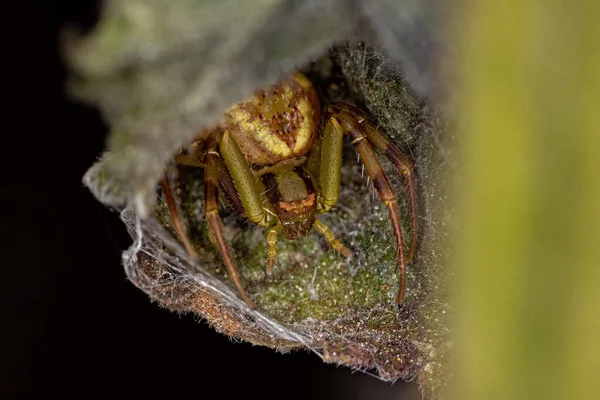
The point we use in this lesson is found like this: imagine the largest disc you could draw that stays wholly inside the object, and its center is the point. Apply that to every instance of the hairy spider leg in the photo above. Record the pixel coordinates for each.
(249, 193)
(176, 219)
(216, 172)
(331, 239)
(226, 185)
(211, 210)
(398, 159)
(346, 123)
(272, 242)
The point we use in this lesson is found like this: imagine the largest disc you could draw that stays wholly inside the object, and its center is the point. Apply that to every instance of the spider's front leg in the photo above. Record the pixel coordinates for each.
(216, 175)
(397, 158)
(341, 123)
(211, 210)
(226, 185)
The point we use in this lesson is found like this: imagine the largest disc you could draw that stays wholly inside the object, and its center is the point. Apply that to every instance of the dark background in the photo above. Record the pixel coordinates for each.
(76, 326)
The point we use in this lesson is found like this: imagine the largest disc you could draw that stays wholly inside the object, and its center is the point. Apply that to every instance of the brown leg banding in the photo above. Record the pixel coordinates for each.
(211, 182)
(406, 170)
(381, 184)
(404, 166)
(176, 219)
(331, 239)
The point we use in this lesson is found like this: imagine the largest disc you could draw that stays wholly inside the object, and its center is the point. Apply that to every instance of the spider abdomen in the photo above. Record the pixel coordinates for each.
(277, 123)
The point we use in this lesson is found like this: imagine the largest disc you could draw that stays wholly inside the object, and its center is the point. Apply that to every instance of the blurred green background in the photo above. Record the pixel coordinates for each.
(529, 255)
(522, 88)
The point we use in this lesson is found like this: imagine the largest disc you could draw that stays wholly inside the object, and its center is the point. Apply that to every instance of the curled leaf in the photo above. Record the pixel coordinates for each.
(162, 72)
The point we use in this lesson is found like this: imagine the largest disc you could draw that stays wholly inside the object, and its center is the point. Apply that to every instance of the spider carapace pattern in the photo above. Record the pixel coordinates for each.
(276, 160)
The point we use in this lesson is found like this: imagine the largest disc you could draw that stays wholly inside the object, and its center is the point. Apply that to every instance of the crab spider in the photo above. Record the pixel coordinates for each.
(276, 158)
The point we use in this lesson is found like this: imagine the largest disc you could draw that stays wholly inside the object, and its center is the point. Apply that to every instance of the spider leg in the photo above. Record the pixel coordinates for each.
(176, 218)
(190, 160)
(397, 158)
(272, 242)
(345, 122)
(227, 186)
(313, 163)
(225, 183)
(211, 208)
(244, 181)
(331, 164)
(330, 237)
(406, 170)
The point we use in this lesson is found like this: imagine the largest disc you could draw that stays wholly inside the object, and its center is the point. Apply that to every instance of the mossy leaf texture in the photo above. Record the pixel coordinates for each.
(162, 71)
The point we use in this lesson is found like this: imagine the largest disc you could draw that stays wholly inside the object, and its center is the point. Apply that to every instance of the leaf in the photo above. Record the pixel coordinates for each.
(163, 71)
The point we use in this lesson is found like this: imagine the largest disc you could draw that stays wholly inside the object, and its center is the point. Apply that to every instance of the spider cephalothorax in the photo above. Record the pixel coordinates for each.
(277, 160)
(293, 197)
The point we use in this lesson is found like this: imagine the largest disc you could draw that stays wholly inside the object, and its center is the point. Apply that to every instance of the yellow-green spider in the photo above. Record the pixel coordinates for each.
(276, 159)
